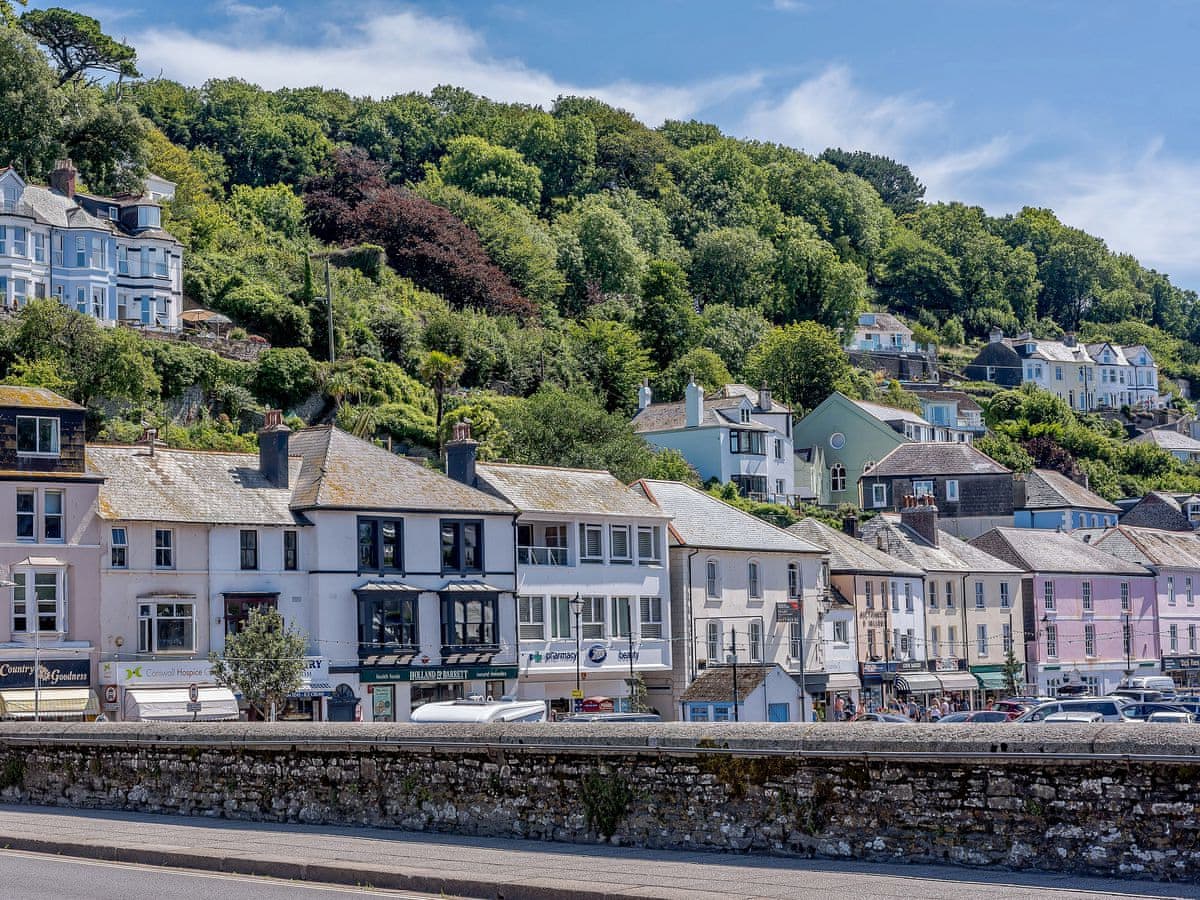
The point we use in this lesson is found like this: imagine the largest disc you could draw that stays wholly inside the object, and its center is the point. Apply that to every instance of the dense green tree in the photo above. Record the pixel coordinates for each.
(30, 106)
(813, 283)
(801, 363)
(77, 44)
(474, 165)
(598, 251)
(666, 317)
(734, 266)
(1073, 274)
(670, 465)
(893, 181)
(556, 427)
(264, 662)
(700, 364)
(916, 274)
(285, 376)
(732, 333)
(611, 359)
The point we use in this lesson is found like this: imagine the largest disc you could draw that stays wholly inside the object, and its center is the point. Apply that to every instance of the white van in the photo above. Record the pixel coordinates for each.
(1163, 683)
(480, 711)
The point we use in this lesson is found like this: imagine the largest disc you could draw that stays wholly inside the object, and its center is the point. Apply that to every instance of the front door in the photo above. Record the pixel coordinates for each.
(778, 712)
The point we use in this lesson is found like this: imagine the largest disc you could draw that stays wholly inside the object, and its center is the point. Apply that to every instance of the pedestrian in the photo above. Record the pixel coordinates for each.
(839, 709)
(851, 711)
(935, 713)
(945, 707)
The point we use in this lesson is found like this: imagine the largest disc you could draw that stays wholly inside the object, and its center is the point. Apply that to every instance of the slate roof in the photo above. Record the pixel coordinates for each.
(950, 554)
(701, 520)
(890, 413)
(715, 685)
(941, 458)
(883, 321)
(751, 394)
(341, 471)
(1057, 351)
(1034, 550)
(849, 554)
(965, 401)
(50, 207)
(1151, 546)
(1094, 350)
(1157, 510)
(672, 416)
(1047, 489)
(562, 490)
(1168, 439)
(19, 396)
(197, 486)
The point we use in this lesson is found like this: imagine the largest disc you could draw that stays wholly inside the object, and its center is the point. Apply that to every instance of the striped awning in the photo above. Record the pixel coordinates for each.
(917, 683)
(49, 703)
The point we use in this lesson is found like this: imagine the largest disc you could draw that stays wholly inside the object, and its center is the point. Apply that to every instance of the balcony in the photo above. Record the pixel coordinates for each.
(543, 556)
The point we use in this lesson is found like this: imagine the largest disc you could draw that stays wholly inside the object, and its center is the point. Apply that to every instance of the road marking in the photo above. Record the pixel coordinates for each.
(223, 876)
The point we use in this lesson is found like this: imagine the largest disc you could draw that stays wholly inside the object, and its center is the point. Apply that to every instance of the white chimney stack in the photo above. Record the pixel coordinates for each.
(644, 394)
(694, 404)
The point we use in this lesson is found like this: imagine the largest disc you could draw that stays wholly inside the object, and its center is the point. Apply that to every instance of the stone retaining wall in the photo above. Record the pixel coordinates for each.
(1113, 800)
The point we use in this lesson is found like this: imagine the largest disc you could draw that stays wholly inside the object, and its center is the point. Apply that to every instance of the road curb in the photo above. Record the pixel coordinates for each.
(452, 885)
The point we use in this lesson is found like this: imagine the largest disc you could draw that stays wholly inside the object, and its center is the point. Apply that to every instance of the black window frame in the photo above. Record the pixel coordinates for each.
(459, 526)
(248, 549)
(454, 603)
(377, 544)
(291, 550)
(371, 630)
(747, 442)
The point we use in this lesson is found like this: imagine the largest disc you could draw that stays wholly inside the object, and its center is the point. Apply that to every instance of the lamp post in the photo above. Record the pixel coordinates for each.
(629, 627)
(1127, 636)
(577, 609)
(733, 662)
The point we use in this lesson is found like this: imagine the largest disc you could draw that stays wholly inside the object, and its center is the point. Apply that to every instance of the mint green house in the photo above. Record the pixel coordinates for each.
(849, 436)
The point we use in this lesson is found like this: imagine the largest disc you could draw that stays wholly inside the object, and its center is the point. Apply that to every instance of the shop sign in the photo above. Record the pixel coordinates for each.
(137, 674)
(314, 680)
(382, 706)
(911, 665)
(949, 664)
(878, 668)
(1180, 663)
(597, 656)
(18, 673)
(436, 673)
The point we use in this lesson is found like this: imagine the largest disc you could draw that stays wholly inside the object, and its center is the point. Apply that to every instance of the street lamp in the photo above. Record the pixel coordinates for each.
(577, 609)
(733, 662)
(629, 627)
(1128, 637)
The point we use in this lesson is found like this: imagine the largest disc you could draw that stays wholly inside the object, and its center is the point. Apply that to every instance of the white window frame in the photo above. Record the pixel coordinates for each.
(118, 540)
(1173, 637)
(712, 578)
(167, 546)
(754, 580)
(650, 618)
(1052, 641)
(878, 495)
(1170, 590)
(29, 516)
(585, 532)
(952, 490)
(561, 627)
(1089, 602)
(26, 590)
(531, 617)
(841, 632)
(148, 617)
(1005, 596)
(591, 622)
(1089, 639)
(654, 557)
(922, 487)
(712, 640)
(622, 616)
(617, 534)
(981, 639)
(55, 440)
(1007, 631)
(1048, 595)
(837, 478)
(935, 641)
(754, 640)
(980, 596)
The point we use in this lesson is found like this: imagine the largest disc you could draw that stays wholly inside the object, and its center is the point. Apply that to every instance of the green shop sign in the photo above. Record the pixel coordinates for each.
(375, 675)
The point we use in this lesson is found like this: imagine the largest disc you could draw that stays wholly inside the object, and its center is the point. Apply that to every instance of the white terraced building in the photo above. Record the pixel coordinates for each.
(107, 257)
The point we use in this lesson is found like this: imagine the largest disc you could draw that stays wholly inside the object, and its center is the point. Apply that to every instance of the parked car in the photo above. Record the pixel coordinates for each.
(1137, 695)
(1162, 683)
(975, 716)
(954, 718)
(480, 711)
(1077, 716)
(1172, 717)
(1111, 709)
(619, 718)
(882, 717)
(1140, 712)
(1014, 708)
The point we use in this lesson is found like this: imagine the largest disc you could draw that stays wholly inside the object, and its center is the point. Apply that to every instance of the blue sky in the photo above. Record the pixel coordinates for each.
(1086, 107)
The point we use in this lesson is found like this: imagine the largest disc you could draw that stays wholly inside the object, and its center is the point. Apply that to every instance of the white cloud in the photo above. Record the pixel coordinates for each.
(789, 6)
(949, 176)
(238, 10)
(1148, 206)
(407, 51)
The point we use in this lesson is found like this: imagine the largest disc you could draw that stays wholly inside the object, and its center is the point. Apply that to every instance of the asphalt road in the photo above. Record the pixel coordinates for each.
(35, 876)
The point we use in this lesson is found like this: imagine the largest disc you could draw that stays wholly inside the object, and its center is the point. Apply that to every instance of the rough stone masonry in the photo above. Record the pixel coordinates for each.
(1109, 799)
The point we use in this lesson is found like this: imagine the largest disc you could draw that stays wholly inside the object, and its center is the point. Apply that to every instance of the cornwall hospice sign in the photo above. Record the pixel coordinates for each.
(18, 673)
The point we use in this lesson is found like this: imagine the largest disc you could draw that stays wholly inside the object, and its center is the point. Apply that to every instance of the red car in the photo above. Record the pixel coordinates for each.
(1010, 707)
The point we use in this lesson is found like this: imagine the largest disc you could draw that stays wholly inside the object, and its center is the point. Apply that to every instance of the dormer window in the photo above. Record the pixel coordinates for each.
(113, 213)
(745, 415)
(149, 217)
(1030, 348)
(37, 435)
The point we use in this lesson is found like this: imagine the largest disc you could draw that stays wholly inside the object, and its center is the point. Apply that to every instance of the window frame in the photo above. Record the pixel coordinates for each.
(754, 641)
(1005, 595)
(378, 544)
(121, 545)
(926, 483)
(31, 607)
(460, 527)
(1089, 639)
(650, 617)
(841, 632)
(951, 490)
(588, 619)
(1052, 641)
(837, 478)
(371, 627)
(456, 609)
(531, 615)
(291, 550)
(585, 529)
(981, 639)
(1087, 599)
(164, 550)
(148, 631)
(39, 451)
(1048, 599)
(248, 549)
(878, 494)
(627, 558)
(712, 579)
(654, 558)
(980, 596)
(27, 517)
(712, 640)
(754, 590)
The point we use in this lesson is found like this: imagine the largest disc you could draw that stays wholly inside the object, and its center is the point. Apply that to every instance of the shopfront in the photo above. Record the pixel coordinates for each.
(393, 692)
(308, 703)
(823, 689)
(877, 679)
(51, 688)
(993, 682)
(958, 685)
(158, 691)
(603, 671)
(1184, 670)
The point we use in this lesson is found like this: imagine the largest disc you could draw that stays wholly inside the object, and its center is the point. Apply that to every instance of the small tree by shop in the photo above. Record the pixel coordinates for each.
(264, 662)
(1012, 670)
(637, 694)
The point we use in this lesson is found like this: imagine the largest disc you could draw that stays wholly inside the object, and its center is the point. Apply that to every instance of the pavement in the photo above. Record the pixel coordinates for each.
(457, 866)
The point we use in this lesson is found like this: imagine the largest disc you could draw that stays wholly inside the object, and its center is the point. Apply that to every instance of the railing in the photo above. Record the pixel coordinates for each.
(542, 556)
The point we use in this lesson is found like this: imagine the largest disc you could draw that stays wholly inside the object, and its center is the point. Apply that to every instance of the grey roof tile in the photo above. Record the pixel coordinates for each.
(890, 413)
(341, 471)
(1047, 489)
(941, 458)
(1151, 546)
(950, 554)
(1168, 439)
(563, 490)
(716, 684)
(849, 554)
(701, 520)
(1035, 550)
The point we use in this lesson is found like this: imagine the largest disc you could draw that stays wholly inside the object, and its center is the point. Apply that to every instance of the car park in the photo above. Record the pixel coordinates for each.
(1110, 709)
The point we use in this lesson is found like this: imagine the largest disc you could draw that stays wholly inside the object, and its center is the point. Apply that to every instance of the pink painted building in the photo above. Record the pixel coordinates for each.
(49, 559)
(1090, 616)
(1174, 558)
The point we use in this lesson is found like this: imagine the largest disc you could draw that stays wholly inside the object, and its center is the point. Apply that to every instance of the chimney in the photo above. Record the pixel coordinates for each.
(1069, 339)
(149, 437)
(920, 514)
(850, 525)
(644, 394)
(1020, 491)
(62, 179)
(460, 454)
(273, 449)
(764, 398)
(694, 403)
(996, 335)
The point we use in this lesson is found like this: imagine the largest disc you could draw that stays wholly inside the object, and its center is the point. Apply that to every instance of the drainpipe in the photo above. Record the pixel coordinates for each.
(966, 633)
(691, 650)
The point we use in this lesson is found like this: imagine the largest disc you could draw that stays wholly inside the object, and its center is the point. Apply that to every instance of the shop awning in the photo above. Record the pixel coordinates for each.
(843, 681)
(958, 681)
(49, 703)
(992, 681)
(917, 683)
(170, 705)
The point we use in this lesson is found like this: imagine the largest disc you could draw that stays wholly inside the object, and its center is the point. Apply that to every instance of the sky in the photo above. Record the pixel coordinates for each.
(1086, 107)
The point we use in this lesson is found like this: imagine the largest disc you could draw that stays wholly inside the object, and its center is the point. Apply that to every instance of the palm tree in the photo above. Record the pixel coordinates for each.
(440, 371)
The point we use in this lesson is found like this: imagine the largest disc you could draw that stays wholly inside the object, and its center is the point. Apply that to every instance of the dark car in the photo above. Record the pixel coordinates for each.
(975, 716)
(1142, 711)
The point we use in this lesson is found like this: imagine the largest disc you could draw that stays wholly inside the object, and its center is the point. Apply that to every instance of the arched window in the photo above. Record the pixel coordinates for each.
(837, 478)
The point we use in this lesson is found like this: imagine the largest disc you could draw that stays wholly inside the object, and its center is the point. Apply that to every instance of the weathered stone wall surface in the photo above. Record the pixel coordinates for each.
(1117, 799)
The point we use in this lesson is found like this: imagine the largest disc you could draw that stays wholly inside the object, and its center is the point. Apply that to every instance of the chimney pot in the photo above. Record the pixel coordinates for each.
(645, 396)
(693, 404)
(850, 525)
(461, 453)
(921, 516)
(764, 398)
(62, 179)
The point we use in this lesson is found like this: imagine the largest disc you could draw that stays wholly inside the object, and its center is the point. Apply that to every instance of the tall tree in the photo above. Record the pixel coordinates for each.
(666, 317)
(441, 372)
(77, 44)
(264, 662)
(893, 181)
(801, 363)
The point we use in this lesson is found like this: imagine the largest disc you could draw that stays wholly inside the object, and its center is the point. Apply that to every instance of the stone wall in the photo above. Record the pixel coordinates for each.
(1115, 800)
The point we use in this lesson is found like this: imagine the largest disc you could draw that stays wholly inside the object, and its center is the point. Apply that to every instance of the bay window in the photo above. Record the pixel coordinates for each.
(39, 601)
(387, 621)
(470, 621)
